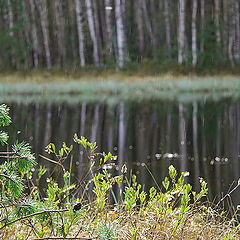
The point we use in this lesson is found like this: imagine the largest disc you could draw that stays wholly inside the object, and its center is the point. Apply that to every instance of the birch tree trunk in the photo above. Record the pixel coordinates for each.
(120, 34)
(202, 11)
(92, 31)
(217, 22)
(60, 33)
(81, 45)
(168, 27)
(34, 34)
(41, 5)
(181, 32)
(194, 33)
(108, 14)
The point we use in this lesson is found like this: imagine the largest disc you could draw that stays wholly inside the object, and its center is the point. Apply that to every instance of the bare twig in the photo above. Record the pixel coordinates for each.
(32, 215)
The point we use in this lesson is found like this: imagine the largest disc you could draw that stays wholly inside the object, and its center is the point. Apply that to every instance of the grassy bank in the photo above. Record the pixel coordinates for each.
(59, 86)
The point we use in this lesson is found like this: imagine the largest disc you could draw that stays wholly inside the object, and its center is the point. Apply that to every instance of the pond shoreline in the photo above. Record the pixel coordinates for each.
(53, 88)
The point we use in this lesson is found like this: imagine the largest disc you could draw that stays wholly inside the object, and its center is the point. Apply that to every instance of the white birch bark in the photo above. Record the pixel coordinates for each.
(92, 31)
(60, 32)
(217, 22)
(181, 32)
(34, 34)
(194, 33)
(42, 12)
(202, 27)
(81, 45)
(108, 14)
(168, 27)
(120, 34)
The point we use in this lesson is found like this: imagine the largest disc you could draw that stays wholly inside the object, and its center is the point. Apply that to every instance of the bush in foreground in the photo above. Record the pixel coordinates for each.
(118, 208)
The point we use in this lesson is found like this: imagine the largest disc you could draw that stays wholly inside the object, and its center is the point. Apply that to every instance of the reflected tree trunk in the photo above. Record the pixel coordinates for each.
(121, 136)
(182, 138)
(48, 125)
(95, 124)
(195, 144)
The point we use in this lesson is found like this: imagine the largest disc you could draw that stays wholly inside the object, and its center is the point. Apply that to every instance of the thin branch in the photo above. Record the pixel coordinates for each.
(34, 214)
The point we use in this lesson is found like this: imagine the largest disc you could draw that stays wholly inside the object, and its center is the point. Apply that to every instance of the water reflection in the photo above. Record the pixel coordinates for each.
(201, 137)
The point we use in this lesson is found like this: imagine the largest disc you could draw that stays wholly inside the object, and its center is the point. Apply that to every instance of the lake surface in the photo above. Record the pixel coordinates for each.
(201, 136)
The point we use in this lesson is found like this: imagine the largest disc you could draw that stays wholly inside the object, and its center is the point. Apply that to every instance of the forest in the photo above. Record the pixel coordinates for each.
(78, 33)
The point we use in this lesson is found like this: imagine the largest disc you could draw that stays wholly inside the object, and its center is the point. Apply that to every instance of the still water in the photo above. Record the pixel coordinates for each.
(202, 137)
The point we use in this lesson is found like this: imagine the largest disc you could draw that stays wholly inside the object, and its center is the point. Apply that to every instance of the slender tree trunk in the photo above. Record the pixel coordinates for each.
(34, 34)
(92, 30)
(108, 14)
(202, 11)
(60, 32)
(120, 34)
(236, 45)
(194, 33)
(181, 32)
(10, 25)
(97, 29)
(81, 45)
(148, 23)
(217, 22)
(41, 5)
(231, 35)
(225, 26)
(139, 22)
(168, 27)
